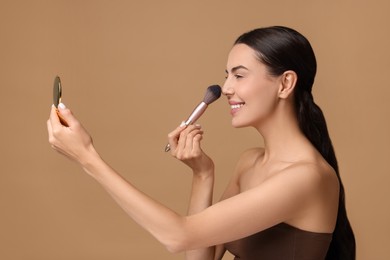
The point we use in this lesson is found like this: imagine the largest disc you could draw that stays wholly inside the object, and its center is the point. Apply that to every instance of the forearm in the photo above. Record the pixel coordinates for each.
(201, 198)
(201, 192)
(164, 224)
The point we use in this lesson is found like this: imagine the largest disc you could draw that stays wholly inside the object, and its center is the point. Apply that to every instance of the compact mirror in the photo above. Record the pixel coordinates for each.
(57, 91)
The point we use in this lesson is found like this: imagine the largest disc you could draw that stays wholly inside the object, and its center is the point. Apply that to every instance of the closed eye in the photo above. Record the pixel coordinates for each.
(237, 76)
(234, 71)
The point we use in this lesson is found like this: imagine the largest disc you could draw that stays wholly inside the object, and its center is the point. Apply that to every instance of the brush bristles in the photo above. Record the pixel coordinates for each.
(213, 93)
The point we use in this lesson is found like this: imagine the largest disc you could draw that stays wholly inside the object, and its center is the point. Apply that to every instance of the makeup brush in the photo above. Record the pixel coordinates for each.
(212, 93)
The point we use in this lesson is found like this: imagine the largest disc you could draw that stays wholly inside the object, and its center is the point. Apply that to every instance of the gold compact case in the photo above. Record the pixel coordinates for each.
(57, 93)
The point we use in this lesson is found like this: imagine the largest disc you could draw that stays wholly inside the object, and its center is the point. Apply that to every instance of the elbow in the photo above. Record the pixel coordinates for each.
(173, 249)
(176, 242)
(175, 246)
(177, 239)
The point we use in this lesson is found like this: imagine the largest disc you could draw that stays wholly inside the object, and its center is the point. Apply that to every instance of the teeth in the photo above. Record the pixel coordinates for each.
(236, 106)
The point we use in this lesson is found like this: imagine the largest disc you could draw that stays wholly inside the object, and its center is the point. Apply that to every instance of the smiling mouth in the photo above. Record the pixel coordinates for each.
(236, 106)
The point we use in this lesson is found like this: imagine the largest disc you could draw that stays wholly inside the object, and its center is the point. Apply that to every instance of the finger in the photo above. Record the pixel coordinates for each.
(182, 137)
(196, 143)
(196, 137)
(54, 120)
(191, 132)
(181, 141)
(173, 136)
(66, 115)
(49, 131)
(187, 138)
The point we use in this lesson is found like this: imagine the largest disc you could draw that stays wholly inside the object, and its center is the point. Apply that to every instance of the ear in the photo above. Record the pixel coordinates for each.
(288, 81)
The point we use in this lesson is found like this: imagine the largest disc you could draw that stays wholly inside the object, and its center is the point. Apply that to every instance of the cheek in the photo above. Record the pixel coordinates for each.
(264, 91)
(264, 99)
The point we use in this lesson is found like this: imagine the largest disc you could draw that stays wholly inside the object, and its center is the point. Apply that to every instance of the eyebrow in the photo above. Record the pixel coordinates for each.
(234, 69)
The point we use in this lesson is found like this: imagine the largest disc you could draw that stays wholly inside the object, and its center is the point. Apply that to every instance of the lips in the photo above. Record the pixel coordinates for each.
(235, 106)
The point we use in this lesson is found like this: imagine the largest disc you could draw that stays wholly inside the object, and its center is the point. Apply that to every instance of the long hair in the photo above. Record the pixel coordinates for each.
(281, 49)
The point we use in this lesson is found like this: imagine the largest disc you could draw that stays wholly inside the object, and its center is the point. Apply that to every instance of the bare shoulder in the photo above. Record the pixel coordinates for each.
(314, 174)
(315, 179)
(315, 185)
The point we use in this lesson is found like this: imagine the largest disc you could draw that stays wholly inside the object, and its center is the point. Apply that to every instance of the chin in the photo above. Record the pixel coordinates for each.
(238, 124)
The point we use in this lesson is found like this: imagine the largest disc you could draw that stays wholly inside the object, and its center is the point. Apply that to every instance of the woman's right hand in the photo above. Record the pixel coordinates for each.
(185, 146)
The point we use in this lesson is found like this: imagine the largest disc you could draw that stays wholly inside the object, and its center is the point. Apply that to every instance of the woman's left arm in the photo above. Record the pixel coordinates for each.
(75, 143)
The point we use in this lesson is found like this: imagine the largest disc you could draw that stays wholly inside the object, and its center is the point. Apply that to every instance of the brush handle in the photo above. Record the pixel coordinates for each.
(198, 111)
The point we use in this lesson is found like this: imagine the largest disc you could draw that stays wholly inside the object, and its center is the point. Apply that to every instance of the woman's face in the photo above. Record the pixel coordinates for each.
(251, 91)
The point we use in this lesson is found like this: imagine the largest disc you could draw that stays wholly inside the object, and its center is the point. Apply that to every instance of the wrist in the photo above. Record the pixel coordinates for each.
(90, 160)
(204, 174)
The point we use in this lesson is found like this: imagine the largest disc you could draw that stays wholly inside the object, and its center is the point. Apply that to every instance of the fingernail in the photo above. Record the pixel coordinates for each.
(182, 124)
(61, 105)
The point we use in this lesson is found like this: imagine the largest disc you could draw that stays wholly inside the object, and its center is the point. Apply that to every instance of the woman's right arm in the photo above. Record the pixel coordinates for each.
(201, 198)
(185, 145)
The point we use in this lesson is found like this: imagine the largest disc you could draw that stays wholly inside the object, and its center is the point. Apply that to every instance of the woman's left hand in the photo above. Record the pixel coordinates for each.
(73, 140)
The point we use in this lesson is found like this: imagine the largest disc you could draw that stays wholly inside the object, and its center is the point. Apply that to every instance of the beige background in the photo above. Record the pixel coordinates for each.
(131, 71)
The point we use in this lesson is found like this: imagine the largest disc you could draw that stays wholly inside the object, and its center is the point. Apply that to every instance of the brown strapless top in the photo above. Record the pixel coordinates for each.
(281, 242)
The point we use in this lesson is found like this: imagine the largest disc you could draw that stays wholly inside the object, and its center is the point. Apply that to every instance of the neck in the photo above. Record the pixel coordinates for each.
(283, 139)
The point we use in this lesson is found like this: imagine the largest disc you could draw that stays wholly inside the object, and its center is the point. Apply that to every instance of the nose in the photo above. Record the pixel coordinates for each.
(227, 88)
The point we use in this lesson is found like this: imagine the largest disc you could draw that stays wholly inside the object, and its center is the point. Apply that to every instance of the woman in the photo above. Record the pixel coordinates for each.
(285, 201)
